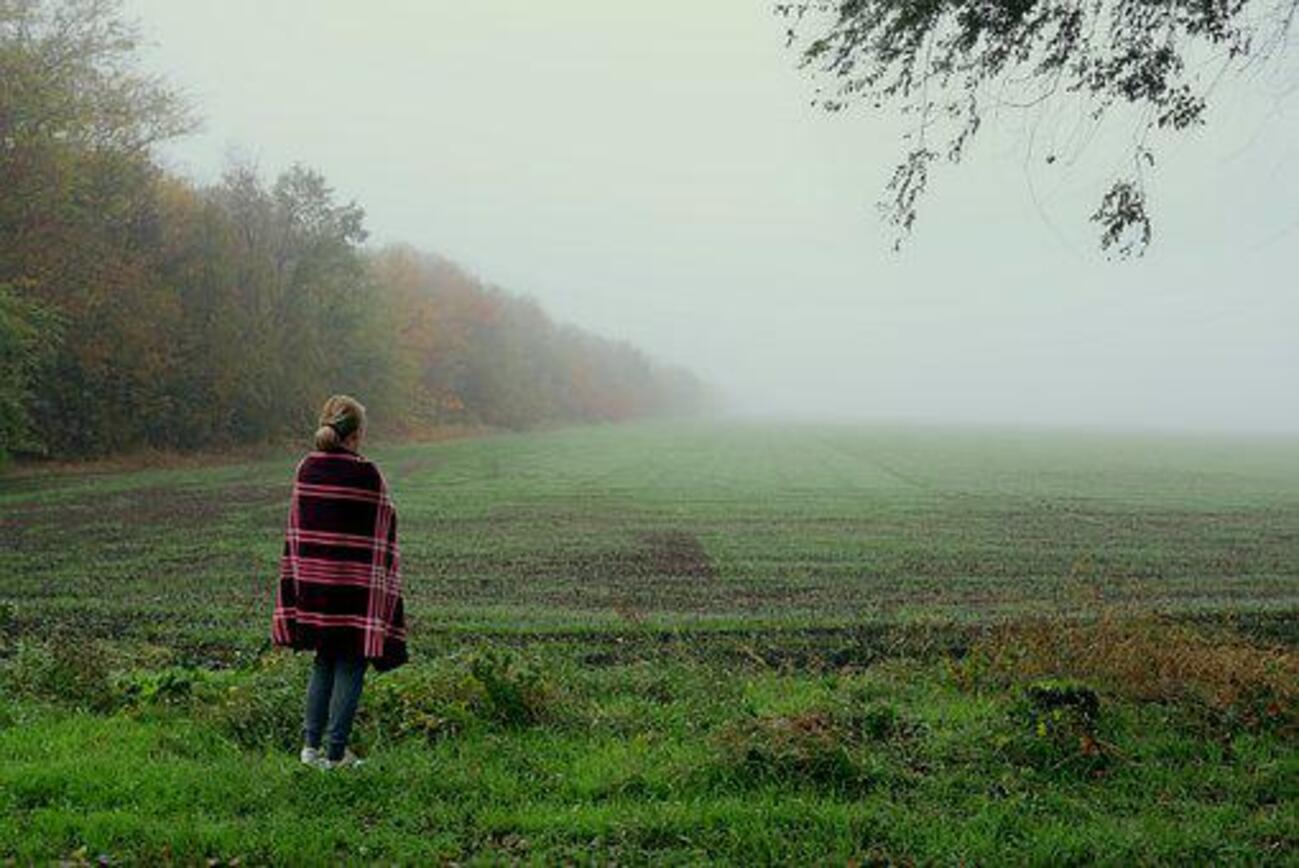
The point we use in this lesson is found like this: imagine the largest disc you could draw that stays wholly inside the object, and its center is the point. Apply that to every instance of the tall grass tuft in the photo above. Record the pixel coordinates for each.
(1150, 659)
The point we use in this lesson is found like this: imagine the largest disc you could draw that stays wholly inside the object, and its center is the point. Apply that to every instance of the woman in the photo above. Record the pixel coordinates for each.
(340, 581)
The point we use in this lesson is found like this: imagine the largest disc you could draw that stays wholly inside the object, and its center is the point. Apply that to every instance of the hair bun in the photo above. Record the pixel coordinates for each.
(326, 438)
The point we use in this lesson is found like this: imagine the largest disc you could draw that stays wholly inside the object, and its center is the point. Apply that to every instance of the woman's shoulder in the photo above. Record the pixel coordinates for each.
(339, 467)
(344, 455)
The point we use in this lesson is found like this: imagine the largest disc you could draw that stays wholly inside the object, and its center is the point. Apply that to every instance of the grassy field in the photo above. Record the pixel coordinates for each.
(681, 643)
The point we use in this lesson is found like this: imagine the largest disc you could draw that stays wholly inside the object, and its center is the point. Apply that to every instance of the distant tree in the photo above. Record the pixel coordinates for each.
(301, 297)
(28, 336)
(78, 217)
(947, 63)
(77, 123)
(68, 75)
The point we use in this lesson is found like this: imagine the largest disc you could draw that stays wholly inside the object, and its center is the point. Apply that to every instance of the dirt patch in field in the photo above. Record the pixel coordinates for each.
(169, 507)
(666, 554)
(190, 508)
(675, 553)
(650, 571)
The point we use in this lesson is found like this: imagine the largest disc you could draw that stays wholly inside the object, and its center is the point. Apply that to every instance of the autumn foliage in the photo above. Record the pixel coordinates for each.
(138, 309)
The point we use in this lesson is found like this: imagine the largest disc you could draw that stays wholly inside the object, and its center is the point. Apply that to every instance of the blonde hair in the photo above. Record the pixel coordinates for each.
(341, 416)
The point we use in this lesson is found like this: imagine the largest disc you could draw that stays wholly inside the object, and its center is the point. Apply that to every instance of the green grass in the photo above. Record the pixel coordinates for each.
(652, 763)
(739, 643)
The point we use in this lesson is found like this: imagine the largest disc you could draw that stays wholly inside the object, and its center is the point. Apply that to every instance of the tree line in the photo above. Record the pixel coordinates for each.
(140, 309)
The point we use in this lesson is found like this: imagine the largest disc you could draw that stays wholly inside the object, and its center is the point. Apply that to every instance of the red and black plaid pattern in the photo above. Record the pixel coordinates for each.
(340, 574)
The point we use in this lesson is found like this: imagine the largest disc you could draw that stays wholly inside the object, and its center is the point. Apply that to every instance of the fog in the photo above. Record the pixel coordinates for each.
(655, 172)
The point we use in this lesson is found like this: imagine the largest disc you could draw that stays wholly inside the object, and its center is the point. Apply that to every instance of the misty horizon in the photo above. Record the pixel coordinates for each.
(660, 177)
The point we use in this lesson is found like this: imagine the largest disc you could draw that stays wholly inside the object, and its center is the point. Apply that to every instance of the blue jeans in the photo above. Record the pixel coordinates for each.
(332, 696)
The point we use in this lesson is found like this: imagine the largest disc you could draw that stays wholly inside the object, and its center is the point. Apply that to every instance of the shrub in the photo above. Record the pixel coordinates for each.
(828, 745)
(874, 720)
(1056, 726)
(8, 626)
(513, 693)
(426, 701)
(1058, 696)
(260, 706)
(440, 699)
(1146, 659)
(67, 672)
(172, 686)
(811, 747)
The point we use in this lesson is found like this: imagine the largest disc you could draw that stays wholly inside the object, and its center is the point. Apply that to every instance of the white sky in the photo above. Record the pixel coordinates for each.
(654, 171)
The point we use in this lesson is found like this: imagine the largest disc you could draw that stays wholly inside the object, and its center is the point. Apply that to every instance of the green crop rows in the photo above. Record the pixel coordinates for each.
(691, 526)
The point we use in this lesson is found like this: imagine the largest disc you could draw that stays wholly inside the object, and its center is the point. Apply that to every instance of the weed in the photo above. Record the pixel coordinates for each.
(514, 693)
(1149, 659)
(804, 747)
(874, 720)
(1055, 726)
(1053, 695)
(428, 701)
(813, 747)
(8, 626)
(172, 686)
(68, 672)
(441, 698)
(262, 706)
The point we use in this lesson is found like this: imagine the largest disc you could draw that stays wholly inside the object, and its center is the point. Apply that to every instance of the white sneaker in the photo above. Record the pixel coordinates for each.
(348, 761)
(313, 756)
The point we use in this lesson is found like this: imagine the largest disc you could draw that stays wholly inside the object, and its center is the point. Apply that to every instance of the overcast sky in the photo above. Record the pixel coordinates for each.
(654, 171)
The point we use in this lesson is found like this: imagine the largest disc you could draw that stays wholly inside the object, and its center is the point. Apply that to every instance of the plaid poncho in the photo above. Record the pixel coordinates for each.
(340, 574)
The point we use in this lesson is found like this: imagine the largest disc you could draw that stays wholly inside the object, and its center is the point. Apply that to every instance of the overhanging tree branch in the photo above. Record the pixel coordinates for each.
(950, 59)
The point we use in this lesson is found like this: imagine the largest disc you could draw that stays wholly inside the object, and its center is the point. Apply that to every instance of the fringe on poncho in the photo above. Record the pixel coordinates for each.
(340, 575)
